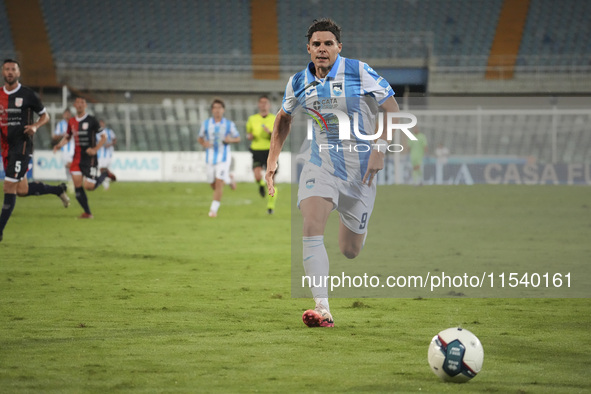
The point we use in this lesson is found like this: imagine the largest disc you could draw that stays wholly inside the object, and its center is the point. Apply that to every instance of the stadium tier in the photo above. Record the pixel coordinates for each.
(557, 35)
(189, 35)
(6, 45)
(137, 34)
(453, 32)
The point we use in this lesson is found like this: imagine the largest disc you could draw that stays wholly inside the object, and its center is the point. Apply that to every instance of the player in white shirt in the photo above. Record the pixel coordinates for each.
(67, 150)
(340, 178)
(105, 153)
(216, 135)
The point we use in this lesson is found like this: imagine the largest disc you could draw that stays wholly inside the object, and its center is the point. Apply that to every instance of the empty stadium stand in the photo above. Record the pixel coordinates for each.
(6, 44)
(136, 33)
(557, 34)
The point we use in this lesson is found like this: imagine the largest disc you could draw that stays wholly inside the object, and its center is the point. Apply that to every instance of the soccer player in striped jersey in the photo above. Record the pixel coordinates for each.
(342, 175)
(258, 130)
(84, 129)
(67, 150)
(105, 153)
(216, 135)
(17, 105)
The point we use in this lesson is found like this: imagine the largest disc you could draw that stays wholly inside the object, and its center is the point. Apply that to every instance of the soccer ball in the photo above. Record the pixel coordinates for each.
(455, 355)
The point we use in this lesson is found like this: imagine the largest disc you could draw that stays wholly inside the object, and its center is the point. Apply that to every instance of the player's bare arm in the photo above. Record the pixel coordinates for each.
(204, 143)
(281, 129)
(62, 142)
(231, 140)
(111, 144)
(376, 158)
(31, 129)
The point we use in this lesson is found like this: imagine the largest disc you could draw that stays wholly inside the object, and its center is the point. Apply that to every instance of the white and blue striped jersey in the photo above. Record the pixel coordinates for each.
(351, 87)
(106, 153)
(216, 133)
(60, 129)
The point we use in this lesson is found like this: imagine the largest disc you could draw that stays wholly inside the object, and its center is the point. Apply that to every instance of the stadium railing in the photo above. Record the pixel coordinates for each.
(546, 135)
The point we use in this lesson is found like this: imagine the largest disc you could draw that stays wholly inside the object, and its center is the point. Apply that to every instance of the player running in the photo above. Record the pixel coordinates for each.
(67, 150)
(258, 130)
(84, 129)
(17, 105)
(343, 178)
(105, 153)
(418, 150)
(216, 135)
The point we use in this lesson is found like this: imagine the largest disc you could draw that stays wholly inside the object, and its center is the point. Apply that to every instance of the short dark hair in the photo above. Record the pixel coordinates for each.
(324, 24)
(263, 96)
(11, 61)
(218, 101)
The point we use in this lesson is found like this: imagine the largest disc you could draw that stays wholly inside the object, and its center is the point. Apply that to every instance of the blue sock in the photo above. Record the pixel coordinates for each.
(82, 199)
(9, 203)
(100, 180)
(39, 189)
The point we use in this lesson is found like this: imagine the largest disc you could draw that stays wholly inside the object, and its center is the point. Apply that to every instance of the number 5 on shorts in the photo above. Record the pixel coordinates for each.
(17, 166)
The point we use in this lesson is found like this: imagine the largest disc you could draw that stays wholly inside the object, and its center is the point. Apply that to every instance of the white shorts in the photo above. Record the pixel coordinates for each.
(104, 162)
(67, 157)
(353, 200)
(219, 171)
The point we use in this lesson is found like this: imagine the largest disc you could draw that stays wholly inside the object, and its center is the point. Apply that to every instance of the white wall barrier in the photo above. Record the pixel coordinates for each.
(460, 170)
(158, 166)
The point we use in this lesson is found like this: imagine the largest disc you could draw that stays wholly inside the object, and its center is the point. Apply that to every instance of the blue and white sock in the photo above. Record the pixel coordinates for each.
(316, 267)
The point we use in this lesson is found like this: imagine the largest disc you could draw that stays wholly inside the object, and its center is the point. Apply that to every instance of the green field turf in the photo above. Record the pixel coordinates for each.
(153, 296)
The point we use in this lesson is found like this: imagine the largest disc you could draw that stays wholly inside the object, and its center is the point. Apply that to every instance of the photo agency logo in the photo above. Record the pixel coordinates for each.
(342, 121)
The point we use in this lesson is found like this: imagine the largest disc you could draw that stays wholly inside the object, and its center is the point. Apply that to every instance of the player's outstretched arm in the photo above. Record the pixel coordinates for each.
(281, 129)
(62, 142)
(376, 157)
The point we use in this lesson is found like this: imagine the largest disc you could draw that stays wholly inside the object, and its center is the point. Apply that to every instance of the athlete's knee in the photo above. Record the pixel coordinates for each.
(350, 251)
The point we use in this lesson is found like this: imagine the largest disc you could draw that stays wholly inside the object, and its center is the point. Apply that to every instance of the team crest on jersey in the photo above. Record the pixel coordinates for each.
(85, 126)
(336, 87)
(18, 102)
(310, 183)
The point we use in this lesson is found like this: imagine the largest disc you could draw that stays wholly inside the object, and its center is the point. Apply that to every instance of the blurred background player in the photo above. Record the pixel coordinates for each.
(18, 104)
(418, 150)
(329, 181)
(105, 154)
(441, 154)
(84, 130)
(258, 130)
(216, 135)
(68, 149)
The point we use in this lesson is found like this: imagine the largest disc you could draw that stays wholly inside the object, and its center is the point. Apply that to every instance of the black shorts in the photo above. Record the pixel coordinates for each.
(259, 158)
(86, 167)
(16, 166)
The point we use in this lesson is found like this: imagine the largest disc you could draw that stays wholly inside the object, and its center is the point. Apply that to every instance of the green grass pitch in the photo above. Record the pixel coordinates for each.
(152, 296)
